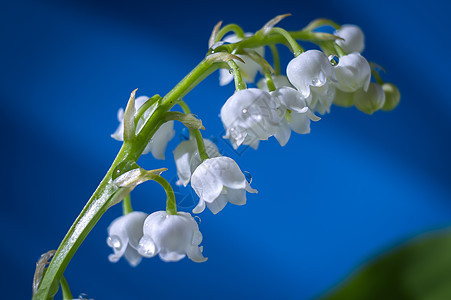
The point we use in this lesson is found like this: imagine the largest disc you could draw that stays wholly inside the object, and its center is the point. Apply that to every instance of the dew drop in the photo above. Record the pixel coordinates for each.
(334, 60)
(197, 219)
(124, 167)
(147, 247)
(230, 71)
(316, 82)
(114, 242)
(184, 135)
(244, 111)
(248, 176)
(84, 296)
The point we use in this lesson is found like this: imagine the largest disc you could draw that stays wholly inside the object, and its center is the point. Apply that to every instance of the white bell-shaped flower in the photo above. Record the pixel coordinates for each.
(353, 38)
(172, 237)
(248, 70)
(370, 101)
(124, 234)
(157, 145)
(278, 80)
(311, 69)
(187, 158)
(322, 98)
(353, 72)
(217, 181)
(294, 106)
(249, 116)
(291, 99)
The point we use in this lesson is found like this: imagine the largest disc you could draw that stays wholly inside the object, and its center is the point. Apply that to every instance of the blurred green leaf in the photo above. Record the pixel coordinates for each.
(420, 270)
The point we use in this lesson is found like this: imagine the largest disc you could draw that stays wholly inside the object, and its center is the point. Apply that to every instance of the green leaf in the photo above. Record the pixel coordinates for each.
(420, 269)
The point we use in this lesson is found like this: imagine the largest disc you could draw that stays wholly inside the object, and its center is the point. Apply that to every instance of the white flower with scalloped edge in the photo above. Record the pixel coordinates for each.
(157, 145)
(187, 159)
(311, 69)
(217, 181)
(124, 234)
(248, 70)
(353, 72)
(172, 237)
(353, 38)
(249, 116)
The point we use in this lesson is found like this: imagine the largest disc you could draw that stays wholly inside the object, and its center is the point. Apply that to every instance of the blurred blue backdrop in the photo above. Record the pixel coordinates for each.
(329, 201)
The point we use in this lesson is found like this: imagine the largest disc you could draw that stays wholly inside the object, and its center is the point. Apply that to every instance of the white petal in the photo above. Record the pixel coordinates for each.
(291, 99)
(119, 133)
(225, 77)
(310, 69)
(124, 231)
(218, 204)
(183, 155)
(236, 196)
(132, 256)
(300, 123)
(353, 72)
(354, 40)
(205, 182)
(250, 189)
(200, 207)
(195, 254)
(228, 172)
(157, 145)
(283, 133)
(171, 256)
(147, 247)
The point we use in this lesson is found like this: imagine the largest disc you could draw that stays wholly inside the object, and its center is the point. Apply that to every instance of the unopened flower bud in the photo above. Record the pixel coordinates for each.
(343, 99)
(353, 38)
(370, 101)
(392, 96)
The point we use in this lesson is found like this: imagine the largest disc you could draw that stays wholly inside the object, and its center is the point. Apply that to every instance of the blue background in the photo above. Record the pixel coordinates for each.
(329, 201)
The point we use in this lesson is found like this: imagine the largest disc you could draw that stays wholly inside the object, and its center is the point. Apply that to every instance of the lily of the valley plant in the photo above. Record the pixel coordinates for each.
(279, 103)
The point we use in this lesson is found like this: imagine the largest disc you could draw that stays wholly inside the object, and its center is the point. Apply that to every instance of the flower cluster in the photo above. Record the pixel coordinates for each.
(276, 106)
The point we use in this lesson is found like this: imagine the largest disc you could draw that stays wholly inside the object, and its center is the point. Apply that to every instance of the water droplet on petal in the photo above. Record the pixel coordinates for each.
(244, 111)
(248, 176)
(334, 60)
(184, 135)
(114, 242)
(147, 247)
(317, 82)
(197, 219)
(83, 296)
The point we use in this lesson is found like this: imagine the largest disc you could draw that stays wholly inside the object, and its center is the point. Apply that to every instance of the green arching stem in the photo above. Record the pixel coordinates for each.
(171, 205)
(184, 107)
(105, 193)
(226, 29)
(295, 48)
(200, 145)
(339, 50)
(275, 59)
(377, 77)
(67, 295)
(269, 80)
(196, 133)
(266, 67)
(239, 83)
(127, 205)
